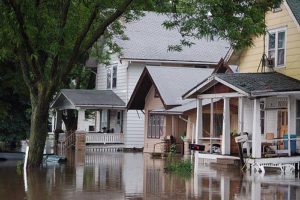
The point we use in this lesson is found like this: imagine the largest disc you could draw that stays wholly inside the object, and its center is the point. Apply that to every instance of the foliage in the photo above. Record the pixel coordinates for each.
(181, 166)
(234, 132)
(236, 21)
(14, 104)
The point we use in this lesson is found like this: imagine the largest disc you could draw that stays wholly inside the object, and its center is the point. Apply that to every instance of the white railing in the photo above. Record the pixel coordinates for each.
(102, 138)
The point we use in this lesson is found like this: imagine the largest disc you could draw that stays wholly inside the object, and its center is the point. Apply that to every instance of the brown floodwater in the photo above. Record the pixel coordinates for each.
(119, 175)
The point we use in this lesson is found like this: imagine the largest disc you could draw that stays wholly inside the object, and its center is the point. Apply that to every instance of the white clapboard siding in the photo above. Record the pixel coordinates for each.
(135, 119)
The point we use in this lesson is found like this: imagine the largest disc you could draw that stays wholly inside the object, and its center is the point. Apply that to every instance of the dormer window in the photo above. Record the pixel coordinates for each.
(277, 47)
(112, 77)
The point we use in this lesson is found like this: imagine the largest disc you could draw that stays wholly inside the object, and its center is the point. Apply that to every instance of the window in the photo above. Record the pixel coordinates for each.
(262, 117)
(156, 94)
(218, 124)
(155, 126)
(112, 77)
(277, 46)
(298, 118)
(277, 8)
(105, 120)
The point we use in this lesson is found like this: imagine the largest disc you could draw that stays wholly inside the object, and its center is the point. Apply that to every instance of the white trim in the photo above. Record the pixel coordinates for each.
(99, 106)
(276, 31)
(231, 86)
(292, 15)
(197, 88)
(56, 98)
(219, 95)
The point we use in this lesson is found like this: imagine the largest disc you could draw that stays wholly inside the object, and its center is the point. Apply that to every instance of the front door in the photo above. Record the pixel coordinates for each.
(282, 124)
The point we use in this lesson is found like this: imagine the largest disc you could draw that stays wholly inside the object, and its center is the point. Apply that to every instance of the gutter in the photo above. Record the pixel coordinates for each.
(170, 61)
(262, 94)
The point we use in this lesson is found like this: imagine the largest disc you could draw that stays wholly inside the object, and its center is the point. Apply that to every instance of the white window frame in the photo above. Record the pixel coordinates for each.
(110, 69)
(276, 31)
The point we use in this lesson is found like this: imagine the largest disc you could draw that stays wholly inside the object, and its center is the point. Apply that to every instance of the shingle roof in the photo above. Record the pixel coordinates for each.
(295, 7)
(80, 97)
(150, 40)
(261, 82)
(172, 82)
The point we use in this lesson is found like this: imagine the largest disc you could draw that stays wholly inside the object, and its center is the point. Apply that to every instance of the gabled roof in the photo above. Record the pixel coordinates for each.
(149, 40)
(295, 8)
(249, 84)
(170, 82)
(72, 98)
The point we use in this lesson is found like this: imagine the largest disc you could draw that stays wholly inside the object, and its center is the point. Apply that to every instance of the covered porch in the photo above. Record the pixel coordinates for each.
(268, 113)
(99, 114)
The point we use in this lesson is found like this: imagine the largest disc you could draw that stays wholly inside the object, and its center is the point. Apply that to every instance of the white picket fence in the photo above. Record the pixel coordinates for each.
(102, 138)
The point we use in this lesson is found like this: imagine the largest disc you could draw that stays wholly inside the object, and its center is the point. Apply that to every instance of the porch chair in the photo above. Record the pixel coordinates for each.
(269, 146)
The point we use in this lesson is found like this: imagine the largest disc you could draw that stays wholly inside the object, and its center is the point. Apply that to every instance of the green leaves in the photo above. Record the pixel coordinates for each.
(236, 21)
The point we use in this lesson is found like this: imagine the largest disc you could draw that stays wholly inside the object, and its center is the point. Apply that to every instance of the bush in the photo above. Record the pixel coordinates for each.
(181, 166)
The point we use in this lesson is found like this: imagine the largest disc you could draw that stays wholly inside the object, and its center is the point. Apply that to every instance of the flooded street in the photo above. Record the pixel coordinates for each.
(137, 176)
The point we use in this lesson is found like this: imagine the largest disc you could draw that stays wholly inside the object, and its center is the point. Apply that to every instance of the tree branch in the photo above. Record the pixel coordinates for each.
(25, 37)
(65, 11)
(25, 69)
(77, 51)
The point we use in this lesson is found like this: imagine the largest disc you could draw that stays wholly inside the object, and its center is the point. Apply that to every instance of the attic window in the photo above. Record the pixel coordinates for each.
(277, 46)
(156, 94)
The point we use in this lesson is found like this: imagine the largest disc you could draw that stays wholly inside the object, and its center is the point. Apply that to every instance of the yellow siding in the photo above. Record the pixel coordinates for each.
(250, 57)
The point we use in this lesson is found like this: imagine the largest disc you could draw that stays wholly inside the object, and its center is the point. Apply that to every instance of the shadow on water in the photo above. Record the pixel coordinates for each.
(138, 176)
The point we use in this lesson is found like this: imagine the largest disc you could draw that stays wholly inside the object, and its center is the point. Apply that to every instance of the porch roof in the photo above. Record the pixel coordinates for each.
(249, 84)
(74, 98)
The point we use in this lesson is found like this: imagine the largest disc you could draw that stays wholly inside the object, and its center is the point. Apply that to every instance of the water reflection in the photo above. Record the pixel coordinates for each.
(138, 176)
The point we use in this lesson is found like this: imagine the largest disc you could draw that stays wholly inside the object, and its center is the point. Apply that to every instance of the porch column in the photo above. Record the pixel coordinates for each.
(291, 120)
(81, 118)
(199, 127)
(58, 124)
(97, 121)
(256, 131)
(226, 128)
(211, 123)
(241, 116)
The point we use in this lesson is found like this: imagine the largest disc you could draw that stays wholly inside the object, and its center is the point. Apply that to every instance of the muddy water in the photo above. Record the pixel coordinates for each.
(137, 176)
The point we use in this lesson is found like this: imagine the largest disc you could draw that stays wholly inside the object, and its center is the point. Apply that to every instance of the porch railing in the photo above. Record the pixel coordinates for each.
(102, 138)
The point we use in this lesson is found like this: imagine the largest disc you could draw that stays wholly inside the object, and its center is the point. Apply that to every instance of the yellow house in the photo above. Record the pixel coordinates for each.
(282, 43)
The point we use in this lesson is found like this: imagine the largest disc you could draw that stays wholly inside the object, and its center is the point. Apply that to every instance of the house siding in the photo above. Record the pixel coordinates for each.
(151, 103)
(250, 57)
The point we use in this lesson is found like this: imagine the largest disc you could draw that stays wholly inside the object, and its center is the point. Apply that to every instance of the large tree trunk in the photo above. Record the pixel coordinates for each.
(38, 129)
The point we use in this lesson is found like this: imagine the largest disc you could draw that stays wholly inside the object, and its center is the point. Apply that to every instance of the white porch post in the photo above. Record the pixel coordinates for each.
(291, 120)
(81, 118)
(97, 121)
(226, 128)
(199, 127)
(241, 115)
(58, 124)
(256, 132)
(211, 123)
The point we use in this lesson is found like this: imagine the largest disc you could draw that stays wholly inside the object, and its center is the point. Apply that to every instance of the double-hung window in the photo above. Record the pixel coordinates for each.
(277, 46)
(112, 77)
(155, 126)
(298, 118)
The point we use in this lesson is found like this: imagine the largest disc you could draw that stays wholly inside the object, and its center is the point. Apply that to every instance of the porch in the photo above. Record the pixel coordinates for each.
(268, 117)
(99, 115)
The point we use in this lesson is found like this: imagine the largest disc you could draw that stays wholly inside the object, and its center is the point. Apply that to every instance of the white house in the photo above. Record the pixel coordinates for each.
(147, 45)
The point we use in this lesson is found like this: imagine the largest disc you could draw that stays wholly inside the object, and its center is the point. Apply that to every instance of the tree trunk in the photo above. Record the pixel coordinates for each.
(38, 129)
